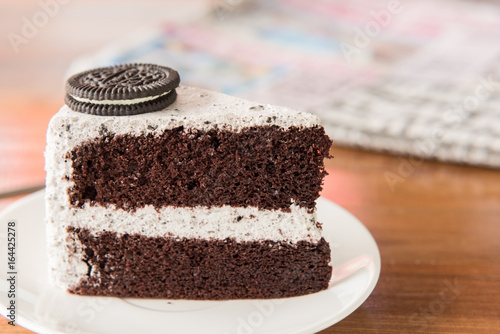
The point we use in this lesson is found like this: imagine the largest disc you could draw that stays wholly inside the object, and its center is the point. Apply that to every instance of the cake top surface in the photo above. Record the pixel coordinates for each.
(194, 108)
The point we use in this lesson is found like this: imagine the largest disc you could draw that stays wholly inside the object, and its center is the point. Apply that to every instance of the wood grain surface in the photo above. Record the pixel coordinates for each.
(437, 225)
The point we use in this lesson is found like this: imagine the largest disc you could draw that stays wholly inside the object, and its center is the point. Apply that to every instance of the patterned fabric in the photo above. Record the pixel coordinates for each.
(429, 120)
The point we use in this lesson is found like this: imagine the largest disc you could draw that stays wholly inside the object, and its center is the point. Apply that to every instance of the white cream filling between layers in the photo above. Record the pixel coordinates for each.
(120, 102)
(241, 224)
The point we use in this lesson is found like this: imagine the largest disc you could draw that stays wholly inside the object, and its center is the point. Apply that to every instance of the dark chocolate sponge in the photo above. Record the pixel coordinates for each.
(199, 269)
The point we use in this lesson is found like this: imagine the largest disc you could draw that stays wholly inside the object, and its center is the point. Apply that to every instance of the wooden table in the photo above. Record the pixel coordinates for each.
(437, 228)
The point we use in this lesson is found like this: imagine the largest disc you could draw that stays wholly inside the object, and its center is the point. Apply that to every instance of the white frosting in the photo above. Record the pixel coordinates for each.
(241, 224)
(119, 102)
(194, 109)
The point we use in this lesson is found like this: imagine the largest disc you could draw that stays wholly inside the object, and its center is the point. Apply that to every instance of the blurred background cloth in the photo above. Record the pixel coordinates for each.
(419, 78)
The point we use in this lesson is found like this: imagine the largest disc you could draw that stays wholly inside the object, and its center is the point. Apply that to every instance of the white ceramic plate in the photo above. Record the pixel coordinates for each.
(45, 309)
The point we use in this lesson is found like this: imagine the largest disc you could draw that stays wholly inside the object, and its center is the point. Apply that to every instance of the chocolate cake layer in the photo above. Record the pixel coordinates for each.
(264, 166)
(157, 267)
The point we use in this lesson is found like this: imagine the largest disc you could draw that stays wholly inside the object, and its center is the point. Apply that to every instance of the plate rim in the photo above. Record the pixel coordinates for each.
(312, 328)
(373, 283)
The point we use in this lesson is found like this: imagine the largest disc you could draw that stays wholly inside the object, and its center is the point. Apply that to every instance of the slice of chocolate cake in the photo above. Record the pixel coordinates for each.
(182, 193)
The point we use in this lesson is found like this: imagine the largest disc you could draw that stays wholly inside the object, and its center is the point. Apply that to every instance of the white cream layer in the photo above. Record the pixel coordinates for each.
(119, 102)
(241, 224)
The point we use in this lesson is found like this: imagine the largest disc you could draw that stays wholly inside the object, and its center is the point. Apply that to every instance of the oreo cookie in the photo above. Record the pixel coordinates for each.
(122, 90)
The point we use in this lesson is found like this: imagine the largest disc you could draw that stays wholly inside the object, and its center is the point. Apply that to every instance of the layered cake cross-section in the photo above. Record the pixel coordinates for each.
(199, 195)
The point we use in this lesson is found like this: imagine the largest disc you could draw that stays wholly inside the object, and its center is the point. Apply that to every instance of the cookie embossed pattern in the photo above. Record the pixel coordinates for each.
(122, 90)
